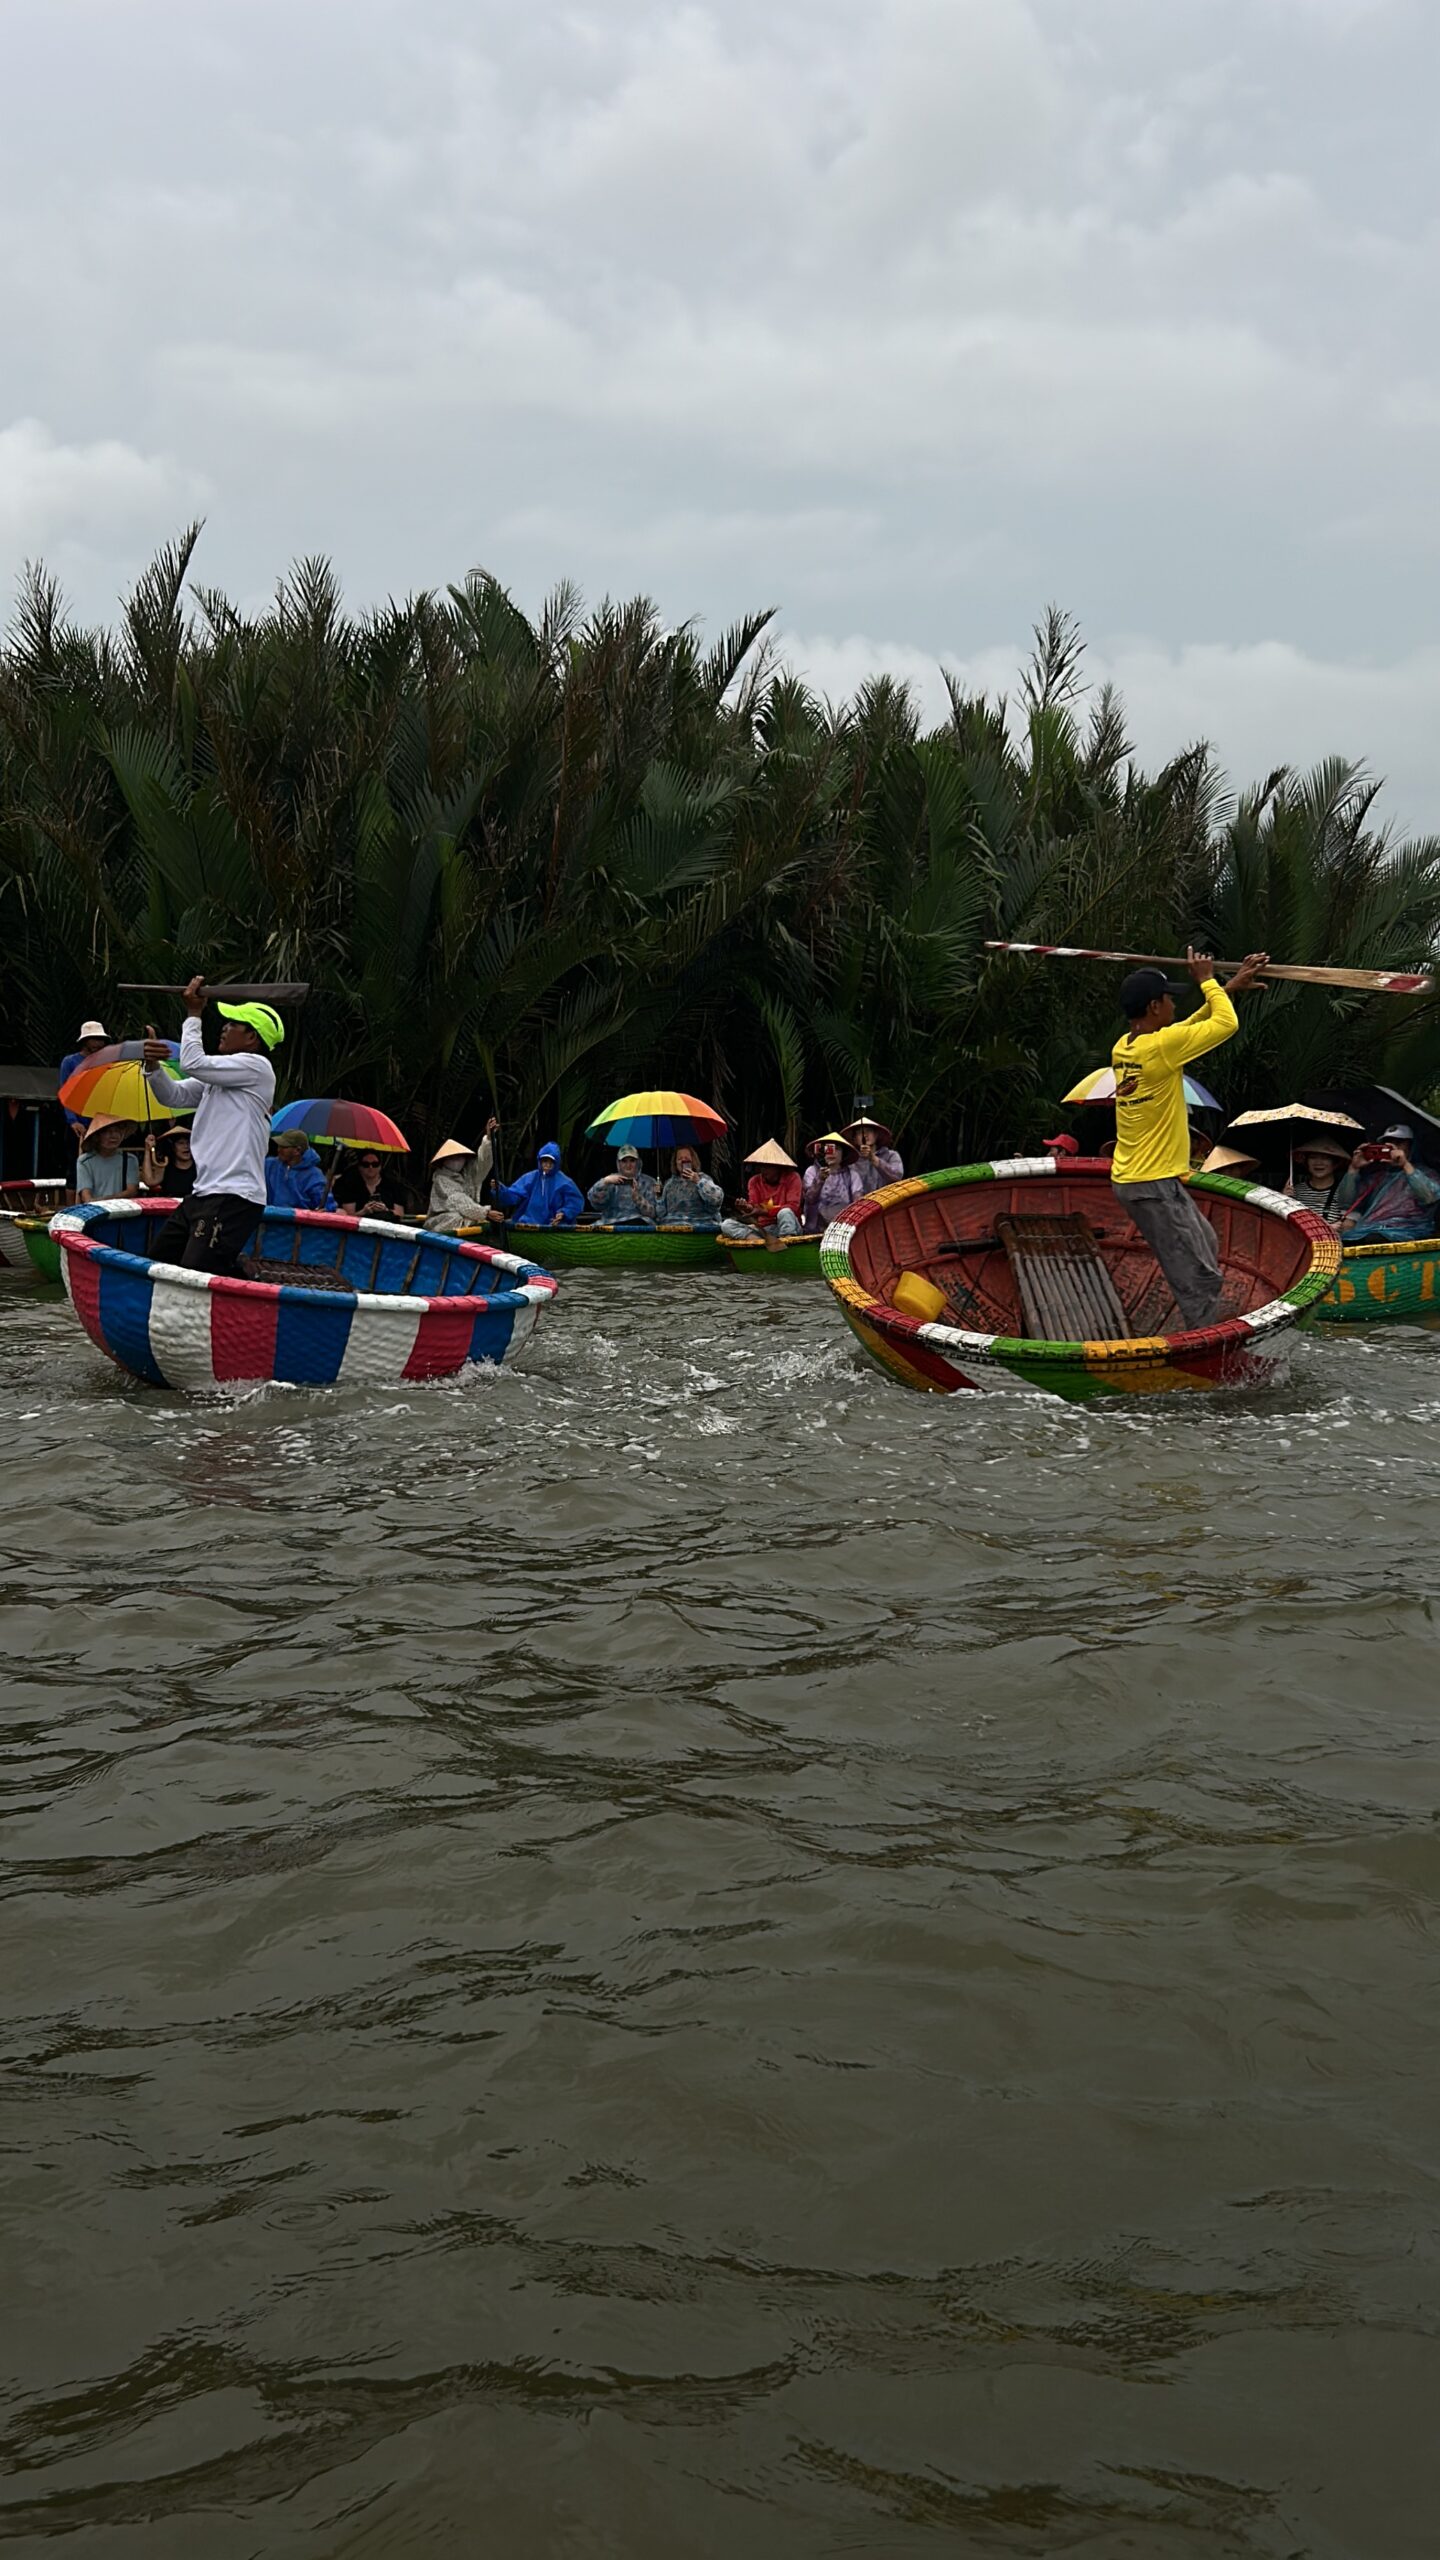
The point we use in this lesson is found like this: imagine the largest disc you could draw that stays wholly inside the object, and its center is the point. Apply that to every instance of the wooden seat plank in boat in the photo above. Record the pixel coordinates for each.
(1066, 1292)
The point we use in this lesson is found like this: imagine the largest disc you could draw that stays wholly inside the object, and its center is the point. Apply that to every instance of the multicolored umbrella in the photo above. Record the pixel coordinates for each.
(112, 1086)
(350, 1124)
(1099, 1086)
(657, 1119)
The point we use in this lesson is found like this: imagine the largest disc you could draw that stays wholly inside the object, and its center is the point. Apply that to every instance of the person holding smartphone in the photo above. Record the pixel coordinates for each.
(1386, 1198)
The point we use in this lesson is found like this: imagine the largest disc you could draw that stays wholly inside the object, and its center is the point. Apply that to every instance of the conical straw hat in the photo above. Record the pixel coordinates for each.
(772, 1153)
(1225, 1159)
(831, 1138)
(452, 1147)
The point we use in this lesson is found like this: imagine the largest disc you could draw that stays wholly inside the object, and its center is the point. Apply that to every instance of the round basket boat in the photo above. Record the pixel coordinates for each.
(1031, 1271)
(788, 1258)
(41, 1250)
(338, 1301)
(1385, 1284)
(601, 1248)
(26, 1209)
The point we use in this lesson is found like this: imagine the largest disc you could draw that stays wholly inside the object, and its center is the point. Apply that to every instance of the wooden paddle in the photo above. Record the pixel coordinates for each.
(1385, 982)
(229, 991)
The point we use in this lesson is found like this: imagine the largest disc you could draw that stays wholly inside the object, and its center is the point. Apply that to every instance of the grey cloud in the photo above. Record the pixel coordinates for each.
(908, 314)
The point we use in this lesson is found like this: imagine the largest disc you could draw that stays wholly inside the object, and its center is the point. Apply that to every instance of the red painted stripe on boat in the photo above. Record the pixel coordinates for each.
(83, 1273)
(243, 1318)
(442, 1338)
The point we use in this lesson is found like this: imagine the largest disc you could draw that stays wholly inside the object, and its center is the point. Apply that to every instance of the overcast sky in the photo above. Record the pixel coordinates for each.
(906, 316)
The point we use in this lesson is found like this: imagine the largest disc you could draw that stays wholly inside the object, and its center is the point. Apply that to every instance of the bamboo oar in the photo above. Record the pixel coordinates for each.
(229, 991)
(1387, 982)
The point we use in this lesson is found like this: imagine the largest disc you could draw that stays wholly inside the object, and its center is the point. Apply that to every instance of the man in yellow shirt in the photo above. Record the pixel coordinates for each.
(1152, 1133)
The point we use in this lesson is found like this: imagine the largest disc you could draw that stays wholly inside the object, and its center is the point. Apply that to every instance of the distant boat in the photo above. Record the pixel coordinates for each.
(26, 1209)
(784, 1258)
(593, 1247)
(337, 1301)
(1030, 1270)
(1384, 1284)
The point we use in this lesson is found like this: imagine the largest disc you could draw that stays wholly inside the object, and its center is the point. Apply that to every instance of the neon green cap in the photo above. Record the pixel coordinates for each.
(260, 1017)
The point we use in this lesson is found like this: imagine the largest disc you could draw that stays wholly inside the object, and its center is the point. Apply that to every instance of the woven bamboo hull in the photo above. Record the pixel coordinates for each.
(619, 1248)
(383, 1303)
(793, 1258)
(1385, 1284)
(1277, 1260)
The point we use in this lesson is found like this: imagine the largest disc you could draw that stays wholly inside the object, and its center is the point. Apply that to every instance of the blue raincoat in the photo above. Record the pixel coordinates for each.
(537, 1196)
(299, 1186)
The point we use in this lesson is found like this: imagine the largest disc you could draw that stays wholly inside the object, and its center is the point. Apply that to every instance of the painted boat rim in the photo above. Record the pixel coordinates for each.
(1373, 1252)
(536, 1287)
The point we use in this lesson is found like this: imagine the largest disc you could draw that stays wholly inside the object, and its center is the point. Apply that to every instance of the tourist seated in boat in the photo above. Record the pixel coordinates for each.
(90, 1037)
(876, 1160)
(367, 1187)
(773, 1198)
(457, 1174)
(545, 1198)
(1386, 1198)
(1234, 1161)
(293, 1175)
(1316, 1167)
(832, 1183)
(628, 1196)
(167, 1166)
(108, 1167)
(691, 1197)
(1061, 1145)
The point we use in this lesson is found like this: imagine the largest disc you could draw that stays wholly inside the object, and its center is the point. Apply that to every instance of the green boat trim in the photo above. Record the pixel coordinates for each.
(42, 1248)
(1384, 1284)
(601, 1248)
(790, 1258)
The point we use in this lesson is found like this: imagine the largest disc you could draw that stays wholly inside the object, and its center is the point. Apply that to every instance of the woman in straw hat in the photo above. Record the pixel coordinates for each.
(876, 1160)
(832, 1180)
(106, 1169)
(1234, 1161)
(773, 1196)
(1316, 1169)
(457, 1173)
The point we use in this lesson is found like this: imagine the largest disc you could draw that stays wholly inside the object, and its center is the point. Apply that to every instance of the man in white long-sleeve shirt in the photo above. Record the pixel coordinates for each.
(231, 1091)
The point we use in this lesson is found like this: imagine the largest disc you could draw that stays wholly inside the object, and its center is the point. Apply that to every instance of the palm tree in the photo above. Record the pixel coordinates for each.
(526, 863)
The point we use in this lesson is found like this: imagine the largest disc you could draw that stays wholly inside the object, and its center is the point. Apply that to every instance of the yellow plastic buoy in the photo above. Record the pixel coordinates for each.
(919, 1298)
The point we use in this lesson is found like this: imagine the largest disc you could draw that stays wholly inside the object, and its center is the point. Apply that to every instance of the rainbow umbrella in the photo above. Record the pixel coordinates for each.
(657, 1119)
(349, 1124)
(1099, 1086)
(111, 1086)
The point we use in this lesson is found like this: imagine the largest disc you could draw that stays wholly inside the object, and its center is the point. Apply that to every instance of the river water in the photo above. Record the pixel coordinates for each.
(679, 1952)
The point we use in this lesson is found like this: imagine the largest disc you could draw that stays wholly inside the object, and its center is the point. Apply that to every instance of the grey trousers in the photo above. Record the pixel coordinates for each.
(1182, 1241)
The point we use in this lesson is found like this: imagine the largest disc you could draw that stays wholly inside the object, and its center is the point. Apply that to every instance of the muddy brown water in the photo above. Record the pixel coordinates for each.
(679, 1952)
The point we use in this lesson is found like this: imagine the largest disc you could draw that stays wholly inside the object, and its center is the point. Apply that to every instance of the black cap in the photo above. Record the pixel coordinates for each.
(1139, 991)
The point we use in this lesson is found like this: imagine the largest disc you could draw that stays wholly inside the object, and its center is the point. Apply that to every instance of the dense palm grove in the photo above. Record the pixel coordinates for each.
(537, 863)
